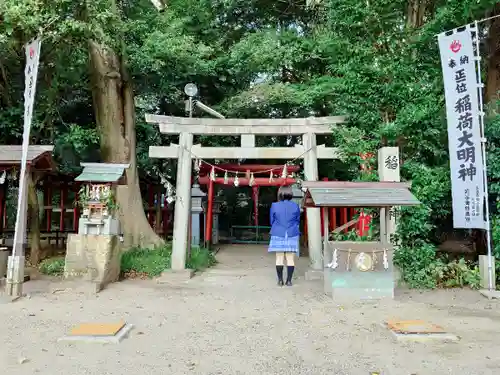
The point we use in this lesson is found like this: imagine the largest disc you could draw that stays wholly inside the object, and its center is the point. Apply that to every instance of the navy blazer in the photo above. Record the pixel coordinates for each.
(285, 219)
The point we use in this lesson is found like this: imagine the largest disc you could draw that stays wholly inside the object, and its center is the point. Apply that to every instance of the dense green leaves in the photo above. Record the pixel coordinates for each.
(375, 61)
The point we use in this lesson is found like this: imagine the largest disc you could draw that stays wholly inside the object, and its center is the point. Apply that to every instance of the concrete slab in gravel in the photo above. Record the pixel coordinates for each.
(104, 339)
(425, 337)
(8, 299)
(418, 331)
(490, 294)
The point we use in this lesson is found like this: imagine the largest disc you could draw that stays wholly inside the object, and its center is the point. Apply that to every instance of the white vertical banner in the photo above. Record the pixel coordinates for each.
(464, 132)
(32, 50)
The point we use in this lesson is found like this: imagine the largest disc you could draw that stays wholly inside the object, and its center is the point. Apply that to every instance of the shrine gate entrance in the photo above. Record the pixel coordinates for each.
(185, 152)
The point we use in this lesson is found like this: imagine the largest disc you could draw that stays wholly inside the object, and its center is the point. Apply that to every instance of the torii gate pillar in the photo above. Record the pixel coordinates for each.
(313, 213)
(182, 204)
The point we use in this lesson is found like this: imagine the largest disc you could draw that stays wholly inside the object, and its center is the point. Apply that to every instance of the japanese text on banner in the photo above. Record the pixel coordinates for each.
(464, 134)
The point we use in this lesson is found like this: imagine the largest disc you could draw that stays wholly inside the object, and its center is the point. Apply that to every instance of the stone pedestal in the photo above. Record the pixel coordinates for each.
(95, 259)
(313, 275)
(347, 278)
(98, 226)
(175, 277)
(359, 286)
(4, 258)
(483, 272)
(15, 276)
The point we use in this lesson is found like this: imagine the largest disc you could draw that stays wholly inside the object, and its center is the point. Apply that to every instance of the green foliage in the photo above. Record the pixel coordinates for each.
(353, 235)
(414, 264)
(492, 130)
(417, 225)
(421, 269)
(200, 259)
(52, 266)
(152, 262)
(495, 235)
(455, 274)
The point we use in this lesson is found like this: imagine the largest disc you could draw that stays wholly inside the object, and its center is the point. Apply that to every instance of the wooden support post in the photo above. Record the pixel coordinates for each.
(323, 213)
(158, 213)
(75, 208)
(164, 219)
(210, 212)
(305, 226)
(150, 203)
(48, 206)
(326, 253)
(2, 200)
(62, 207)
(343, 217)
(4, 217)
(255, 196)
(333, 218)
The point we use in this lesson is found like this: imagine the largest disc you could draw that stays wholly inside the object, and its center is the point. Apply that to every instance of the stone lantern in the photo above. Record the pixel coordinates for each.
(298, 195)
(197, 196)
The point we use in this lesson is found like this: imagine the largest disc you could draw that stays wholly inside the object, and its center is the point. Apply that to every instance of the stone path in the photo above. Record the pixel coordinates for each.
(234, 320)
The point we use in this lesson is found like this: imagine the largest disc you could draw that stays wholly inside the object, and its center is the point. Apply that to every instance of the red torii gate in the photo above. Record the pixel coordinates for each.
(259, 169)
(256, 169)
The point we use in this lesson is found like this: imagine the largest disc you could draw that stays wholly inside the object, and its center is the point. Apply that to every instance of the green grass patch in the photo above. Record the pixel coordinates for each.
(201, 258)
(144, 262)
(52, 266)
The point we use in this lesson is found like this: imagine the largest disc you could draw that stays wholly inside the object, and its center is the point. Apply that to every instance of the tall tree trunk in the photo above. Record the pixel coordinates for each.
(493, 49)
(115, 116)
(416, 13)
(34, 217)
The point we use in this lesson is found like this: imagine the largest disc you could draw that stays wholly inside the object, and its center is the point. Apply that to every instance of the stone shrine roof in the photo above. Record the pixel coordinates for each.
(357, 194)
(102, 172)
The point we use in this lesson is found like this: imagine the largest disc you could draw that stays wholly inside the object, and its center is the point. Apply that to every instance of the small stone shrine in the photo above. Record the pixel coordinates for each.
(358, 270)
(94, 252)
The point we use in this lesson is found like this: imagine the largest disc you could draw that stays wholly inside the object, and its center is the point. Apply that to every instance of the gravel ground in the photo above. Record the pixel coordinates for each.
(233, 320)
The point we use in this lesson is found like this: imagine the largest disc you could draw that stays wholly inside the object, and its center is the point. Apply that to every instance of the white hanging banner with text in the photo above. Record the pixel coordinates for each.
(464, 134)
(30, 75)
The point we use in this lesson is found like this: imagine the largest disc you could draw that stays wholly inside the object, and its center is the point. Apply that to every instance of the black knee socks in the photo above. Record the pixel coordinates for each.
(279, 272)
(289, 273)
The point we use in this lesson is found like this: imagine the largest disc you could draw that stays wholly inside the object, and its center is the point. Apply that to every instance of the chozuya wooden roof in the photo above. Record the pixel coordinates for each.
(357, 194)
(39, 157)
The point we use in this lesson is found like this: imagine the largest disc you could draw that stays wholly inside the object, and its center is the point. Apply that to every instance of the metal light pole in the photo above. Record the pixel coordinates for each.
(190, 90)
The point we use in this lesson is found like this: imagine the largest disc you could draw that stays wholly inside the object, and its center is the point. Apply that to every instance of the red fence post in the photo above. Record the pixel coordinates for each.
(48, 207)
(75, 208)
(61, 206)
(150, 203)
